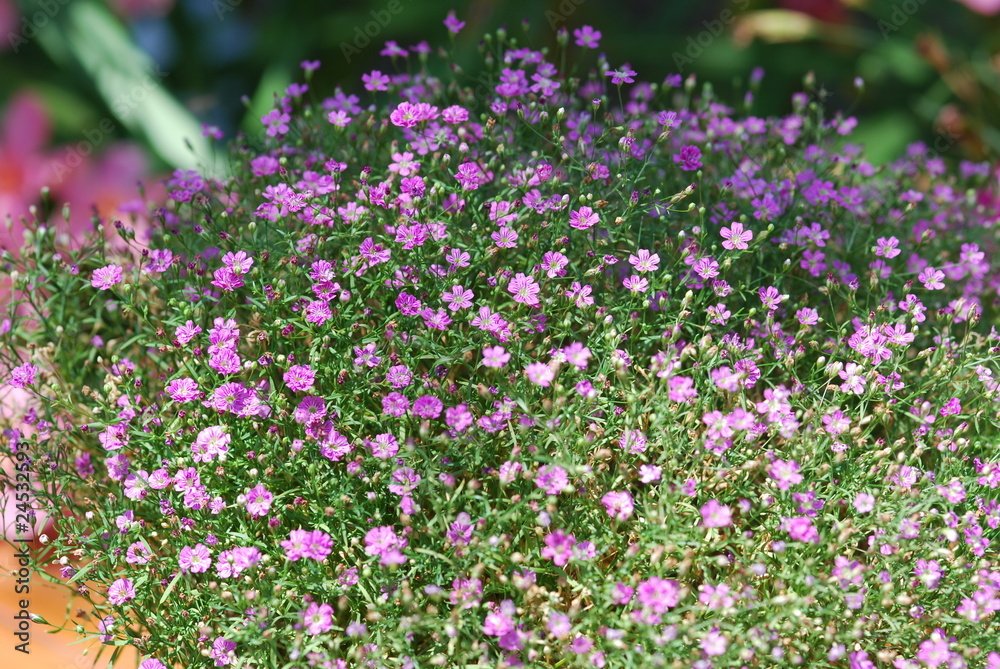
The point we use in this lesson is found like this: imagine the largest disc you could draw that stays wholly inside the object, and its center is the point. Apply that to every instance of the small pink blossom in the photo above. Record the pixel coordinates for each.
(105, 277)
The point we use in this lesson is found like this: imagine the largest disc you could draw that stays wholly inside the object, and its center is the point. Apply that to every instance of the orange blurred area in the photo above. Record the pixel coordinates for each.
(54, 604)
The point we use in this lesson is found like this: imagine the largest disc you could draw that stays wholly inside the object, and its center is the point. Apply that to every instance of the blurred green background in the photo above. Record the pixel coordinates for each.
(97, 94)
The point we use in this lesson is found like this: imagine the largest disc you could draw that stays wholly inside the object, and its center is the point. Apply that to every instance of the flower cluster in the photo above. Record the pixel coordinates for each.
(592, 371)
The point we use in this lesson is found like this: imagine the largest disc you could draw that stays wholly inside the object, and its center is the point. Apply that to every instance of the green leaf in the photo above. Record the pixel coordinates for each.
(79, 575)
(170, 587)
(131, 85)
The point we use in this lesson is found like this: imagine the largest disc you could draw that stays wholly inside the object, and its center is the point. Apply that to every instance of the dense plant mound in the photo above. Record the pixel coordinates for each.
(602, 373)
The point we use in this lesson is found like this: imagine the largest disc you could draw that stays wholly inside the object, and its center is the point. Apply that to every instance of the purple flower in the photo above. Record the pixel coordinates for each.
(583, 218)
(552, 479)
(184, 390)
(194, 560)
(23, 376)
(524, 289)
(624, 75)
(427, 406)
(800, 528)
(618, 504)
(105, 277)
(222, 651)
(587, 37)
(121, 591)
(299, 378)
(453, 24)
(495, 356)
(658, 594)
(383, 542)
(559, 547)
(258, 501)
(460, 532)
(714, 514)
(395, 404)
(689, 158)
(318, 618)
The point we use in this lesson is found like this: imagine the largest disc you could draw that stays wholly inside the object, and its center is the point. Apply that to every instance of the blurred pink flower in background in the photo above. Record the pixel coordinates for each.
(984, 7)
(24, 166)
(107, 178)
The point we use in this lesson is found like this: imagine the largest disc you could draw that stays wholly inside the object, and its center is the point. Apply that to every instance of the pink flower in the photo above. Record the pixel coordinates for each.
(658, 594)
(618, 504)
(800, 528)
(383, 542)
(559, 547)
(453, 24)
(540, 374)
(184, 390)
(276, 122)
(636, 284)
(376, 81)
(714, 514)
(318, 618)
(524, 289)
(223, 651)
(736, 237)
(339, 118)
(771, 298)
(458, 298)
(644, 261)
(931, 278)
(121, 591)
(552, 479)
(239, 262)
(495, 356)
(984, 7)
(194, 560)
(785, 473)
(887, 247)
(405, 115)
(934, 651)
(623, 75)
(299, 377)
(583, 218)
(587, 37)
(854, 382)
(317, 545)
(23, 376)
(714, 643)
(295, 545)
(105, 277)
(258, 501)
